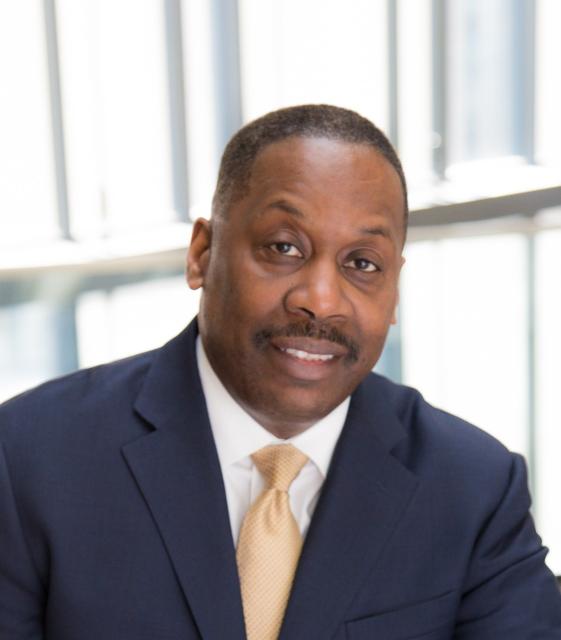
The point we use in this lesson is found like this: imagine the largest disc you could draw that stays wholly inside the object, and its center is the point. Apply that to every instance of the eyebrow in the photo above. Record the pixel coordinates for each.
(285, 206)
(377, 231)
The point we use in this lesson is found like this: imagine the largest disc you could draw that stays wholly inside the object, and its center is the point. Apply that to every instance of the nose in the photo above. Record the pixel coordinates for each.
(318, 292)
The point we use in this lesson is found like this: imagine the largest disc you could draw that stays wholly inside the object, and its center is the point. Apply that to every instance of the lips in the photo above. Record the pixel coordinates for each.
(306, 359)
(309, 348)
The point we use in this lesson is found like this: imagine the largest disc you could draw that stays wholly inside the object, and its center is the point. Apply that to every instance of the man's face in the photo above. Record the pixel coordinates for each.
(300, 279)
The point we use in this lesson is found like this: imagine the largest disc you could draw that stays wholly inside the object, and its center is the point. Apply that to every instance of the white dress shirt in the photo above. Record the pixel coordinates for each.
(237, 435)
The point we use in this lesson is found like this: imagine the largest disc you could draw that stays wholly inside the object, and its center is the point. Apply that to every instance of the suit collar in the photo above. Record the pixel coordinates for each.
(172, 386)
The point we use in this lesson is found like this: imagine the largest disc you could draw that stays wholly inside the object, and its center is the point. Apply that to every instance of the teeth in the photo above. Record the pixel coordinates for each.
(311, 357)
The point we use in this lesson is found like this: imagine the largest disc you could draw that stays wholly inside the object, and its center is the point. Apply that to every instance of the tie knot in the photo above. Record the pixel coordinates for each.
(279, 464)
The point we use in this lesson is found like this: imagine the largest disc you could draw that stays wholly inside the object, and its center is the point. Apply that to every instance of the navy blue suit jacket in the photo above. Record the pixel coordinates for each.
(114, 523)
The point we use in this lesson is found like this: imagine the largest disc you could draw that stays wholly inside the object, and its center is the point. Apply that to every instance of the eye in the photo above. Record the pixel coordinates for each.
(361, 264)
(286, 249)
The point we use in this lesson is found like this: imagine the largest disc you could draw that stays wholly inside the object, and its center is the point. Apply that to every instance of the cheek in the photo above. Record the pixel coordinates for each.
(254, 296)
(374, 311)
(222, 284)
(373, 341)
(239, 302)
(374, 322)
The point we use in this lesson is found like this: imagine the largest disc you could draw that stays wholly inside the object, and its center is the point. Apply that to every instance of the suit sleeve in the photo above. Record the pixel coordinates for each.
(22, 596)
(509, 591)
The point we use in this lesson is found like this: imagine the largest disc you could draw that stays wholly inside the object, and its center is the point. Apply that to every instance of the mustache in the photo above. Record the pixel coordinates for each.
(309, 329)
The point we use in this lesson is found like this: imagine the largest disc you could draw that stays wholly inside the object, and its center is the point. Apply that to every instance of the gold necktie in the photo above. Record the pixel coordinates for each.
(270, 543)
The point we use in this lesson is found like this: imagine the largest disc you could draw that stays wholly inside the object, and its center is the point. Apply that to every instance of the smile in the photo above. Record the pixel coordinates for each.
(308, 357)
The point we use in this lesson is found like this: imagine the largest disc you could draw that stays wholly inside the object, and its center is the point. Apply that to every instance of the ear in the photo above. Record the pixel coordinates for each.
(394, 315)
(198, 255)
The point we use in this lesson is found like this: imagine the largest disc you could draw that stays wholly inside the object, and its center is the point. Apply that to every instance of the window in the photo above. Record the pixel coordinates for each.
(28, 192)
(465, 330)
(112, 123)
(547, 471)
(488, 79)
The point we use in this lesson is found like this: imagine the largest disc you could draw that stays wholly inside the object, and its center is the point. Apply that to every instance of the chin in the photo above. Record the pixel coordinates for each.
(298, 410)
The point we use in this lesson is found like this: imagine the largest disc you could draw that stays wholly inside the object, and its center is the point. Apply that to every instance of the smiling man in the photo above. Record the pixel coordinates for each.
(252, 478)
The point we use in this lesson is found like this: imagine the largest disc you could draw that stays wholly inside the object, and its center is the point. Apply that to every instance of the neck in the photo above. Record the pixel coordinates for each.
(282, 430)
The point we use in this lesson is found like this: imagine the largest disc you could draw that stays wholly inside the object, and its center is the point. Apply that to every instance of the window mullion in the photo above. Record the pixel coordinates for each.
(57, 118)
(439, 83)
(174, 48)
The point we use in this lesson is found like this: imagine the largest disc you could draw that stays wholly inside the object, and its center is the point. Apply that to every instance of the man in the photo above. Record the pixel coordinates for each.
(252, 476)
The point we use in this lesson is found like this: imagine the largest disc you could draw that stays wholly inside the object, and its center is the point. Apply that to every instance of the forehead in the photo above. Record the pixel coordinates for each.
(329, 173)
(309, 154)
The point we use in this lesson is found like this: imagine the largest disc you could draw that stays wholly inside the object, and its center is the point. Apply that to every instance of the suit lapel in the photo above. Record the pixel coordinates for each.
(177, 470)
(363, 499)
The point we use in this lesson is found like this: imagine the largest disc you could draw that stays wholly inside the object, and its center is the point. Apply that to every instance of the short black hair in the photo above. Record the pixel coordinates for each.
(304, 121)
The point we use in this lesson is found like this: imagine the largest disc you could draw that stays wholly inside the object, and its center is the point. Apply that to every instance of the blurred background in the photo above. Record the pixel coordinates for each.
(113, 115)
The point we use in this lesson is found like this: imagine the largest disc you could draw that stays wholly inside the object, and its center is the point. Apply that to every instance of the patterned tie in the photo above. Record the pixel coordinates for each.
(270, 543)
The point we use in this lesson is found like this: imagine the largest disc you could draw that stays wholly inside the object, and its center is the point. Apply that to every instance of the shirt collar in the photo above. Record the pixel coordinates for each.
(237, 435)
